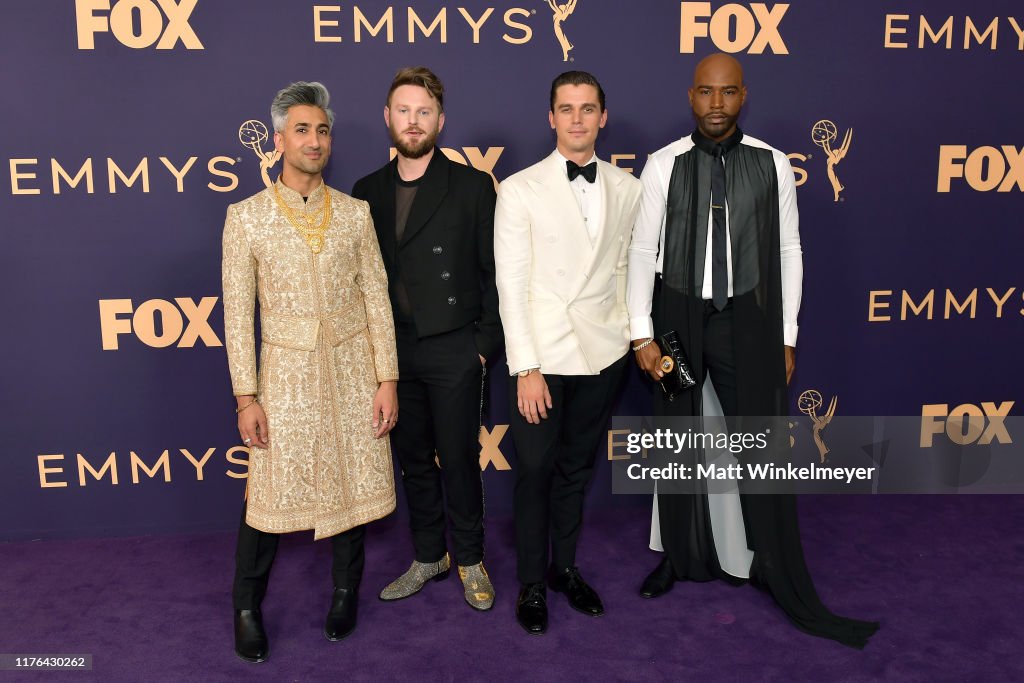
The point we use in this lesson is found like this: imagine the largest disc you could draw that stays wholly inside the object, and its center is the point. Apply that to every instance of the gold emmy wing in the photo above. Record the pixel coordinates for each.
(327, 341)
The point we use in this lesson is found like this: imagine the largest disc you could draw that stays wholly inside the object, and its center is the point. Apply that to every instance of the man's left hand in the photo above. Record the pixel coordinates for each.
(790, 362)
(385, 408)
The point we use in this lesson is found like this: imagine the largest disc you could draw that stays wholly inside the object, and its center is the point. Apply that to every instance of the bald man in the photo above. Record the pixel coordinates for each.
(715, 256)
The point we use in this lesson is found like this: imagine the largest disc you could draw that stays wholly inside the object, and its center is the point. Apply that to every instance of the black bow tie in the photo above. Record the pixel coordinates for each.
(589, 172)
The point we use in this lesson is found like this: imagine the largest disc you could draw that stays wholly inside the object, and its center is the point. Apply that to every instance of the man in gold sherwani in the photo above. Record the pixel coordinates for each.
(316, 412)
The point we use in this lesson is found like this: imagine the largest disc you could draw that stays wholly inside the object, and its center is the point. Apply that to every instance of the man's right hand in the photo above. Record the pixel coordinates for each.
(252, 423)
(649, 359)
(534, 397)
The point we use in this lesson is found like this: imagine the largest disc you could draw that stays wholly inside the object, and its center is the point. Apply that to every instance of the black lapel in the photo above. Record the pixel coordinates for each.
(431, 192)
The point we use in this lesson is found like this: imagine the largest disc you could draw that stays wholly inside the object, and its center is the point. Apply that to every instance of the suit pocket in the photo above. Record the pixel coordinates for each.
(345, 324)
(288, 331)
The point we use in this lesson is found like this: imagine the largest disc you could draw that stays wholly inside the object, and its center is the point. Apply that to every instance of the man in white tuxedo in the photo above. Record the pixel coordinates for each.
(561, 231)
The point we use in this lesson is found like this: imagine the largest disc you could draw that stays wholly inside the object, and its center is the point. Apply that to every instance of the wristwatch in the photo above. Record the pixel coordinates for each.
(525, 373)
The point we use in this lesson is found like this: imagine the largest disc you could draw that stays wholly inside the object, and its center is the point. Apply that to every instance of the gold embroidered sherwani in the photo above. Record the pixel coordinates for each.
(327, 341)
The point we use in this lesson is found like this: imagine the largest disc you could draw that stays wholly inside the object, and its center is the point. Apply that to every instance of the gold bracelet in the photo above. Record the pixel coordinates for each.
(643, 345)
(238, 410)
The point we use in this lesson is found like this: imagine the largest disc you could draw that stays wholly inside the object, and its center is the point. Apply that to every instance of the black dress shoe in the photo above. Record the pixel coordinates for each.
(341, 619)
(659, 581)
(582, 597)
(532, 609)
(250, 638)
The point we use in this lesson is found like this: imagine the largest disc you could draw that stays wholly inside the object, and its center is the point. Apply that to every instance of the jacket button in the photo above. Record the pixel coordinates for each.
(560, 272)
(451, 301)
(552, 238)
(437, 249)
(445, 275)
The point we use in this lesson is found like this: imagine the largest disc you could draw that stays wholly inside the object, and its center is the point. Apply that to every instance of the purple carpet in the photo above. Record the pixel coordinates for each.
(942, 574)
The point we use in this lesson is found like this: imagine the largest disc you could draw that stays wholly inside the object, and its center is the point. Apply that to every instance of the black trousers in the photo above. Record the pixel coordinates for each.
(554, 462)
(254, 556)
(439, 391)
(685, 522)
(720, 355)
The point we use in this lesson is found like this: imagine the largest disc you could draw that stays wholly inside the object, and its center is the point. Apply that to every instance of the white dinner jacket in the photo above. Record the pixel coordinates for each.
(562, 299)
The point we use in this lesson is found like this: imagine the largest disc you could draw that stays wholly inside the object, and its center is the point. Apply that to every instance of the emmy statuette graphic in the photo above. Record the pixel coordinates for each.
(808, 403)
(253, 134)
(561, 13)
(824, 133)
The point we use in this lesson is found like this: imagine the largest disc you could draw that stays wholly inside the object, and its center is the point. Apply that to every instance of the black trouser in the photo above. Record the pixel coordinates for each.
(554, 461)
(254, 556)
(720, 355)
(439, 390)
(685, 526)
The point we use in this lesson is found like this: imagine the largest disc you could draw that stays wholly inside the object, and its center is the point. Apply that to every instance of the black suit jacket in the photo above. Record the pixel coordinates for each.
(446, 256)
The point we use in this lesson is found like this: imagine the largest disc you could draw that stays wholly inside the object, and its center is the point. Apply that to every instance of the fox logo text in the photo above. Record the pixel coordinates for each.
(985, 168)
(966, 424)
(137, 24)
(732, 27)
(184, 321)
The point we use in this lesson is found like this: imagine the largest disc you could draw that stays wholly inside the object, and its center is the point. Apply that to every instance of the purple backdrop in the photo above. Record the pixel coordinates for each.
(932, 180)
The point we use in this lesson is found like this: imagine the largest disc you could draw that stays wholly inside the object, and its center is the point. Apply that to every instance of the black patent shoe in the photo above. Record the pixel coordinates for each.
(582, 597)
(532, 609)
(659, 581)
(341, 619)
(250, 638)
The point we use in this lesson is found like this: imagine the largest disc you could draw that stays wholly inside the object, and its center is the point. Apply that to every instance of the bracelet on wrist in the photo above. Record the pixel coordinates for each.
(643, 345)
(238, 410)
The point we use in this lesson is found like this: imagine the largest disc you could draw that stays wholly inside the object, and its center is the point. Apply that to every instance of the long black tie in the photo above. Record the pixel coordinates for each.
(719, 260)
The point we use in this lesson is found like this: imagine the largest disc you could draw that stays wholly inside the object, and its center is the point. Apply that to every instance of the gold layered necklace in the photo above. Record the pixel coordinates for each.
(312, 226)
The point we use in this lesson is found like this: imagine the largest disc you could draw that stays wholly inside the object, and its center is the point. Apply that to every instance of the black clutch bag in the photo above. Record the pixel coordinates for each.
(678, 375)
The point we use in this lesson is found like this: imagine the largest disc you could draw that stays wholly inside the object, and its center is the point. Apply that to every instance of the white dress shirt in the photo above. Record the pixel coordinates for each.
(646, 251)
(588, 196)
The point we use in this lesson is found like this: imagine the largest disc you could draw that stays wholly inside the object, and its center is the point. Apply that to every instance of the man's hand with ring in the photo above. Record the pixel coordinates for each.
(385, 408)
(252, 423)
(649, 359)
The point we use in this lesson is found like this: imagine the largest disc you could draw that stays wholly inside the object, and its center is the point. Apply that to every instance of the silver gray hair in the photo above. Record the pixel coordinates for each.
(300, 92)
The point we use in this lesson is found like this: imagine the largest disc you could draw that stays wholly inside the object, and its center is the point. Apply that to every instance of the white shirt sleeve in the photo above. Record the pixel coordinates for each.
(791, 254)
(644, 249)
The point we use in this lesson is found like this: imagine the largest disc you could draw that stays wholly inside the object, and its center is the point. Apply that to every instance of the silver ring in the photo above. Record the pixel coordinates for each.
(247, 442)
